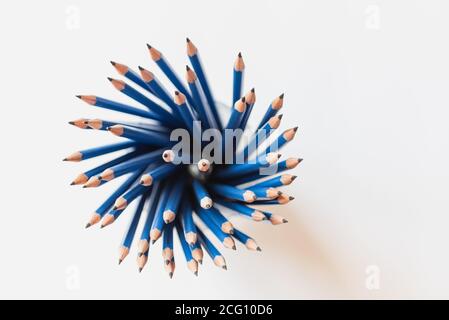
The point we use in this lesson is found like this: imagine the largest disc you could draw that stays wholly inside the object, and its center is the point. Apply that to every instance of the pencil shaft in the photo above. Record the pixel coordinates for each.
(196, 63)
(101, 211)
(185, 246)
(129, 236)
(153, 202)
(121, 107)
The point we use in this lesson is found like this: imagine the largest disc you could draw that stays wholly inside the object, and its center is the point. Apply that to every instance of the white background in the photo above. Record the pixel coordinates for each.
(366, 81)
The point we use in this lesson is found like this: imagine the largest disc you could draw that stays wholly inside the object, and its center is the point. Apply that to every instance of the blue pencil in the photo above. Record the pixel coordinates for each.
(204, 112)
(201, 194)
(119, 107)
(151, 81)
(197, 252)
(144, 243)
(158, 222)
(129, 235)
(131, 75)
(250, 99)
(172, 206)
(273, 108)
(80, 123)
(168, 71)
(221, 221)
(99, 151)
(213, 252)
(280, 141)
(261, 135)
(192, 264)
(192, 52)
(142, 260)
(156, 174)
(224, 238)
(140, 161)
(162, 114)
(239, 68)
(151, 138)
(290, 163)
(238, 170)
(249, 242)
(232, 192)
(101, 211)
(84, 177)
(184, 110)
(123, 201)
(274, 218)
(254, 214)
(278, 181)
(268, 193)
(236, 114)
(282, 199)
(113, 215)
(99, 124)
(167, 243)
(187, 220)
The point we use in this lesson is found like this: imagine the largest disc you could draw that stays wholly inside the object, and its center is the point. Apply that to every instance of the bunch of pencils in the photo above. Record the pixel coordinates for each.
(178, 198)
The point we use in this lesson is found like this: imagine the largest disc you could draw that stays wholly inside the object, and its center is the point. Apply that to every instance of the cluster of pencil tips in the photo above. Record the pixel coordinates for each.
(172, 197)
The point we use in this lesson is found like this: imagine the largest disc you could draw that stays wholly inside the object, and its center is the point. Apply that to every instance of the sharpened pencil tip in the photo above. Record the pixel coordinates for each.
(153, 241)
(187, 68)
(148, 46)
(294, 177)
(71, 122)
(140, 270)
(295, 129)
(253, 90)
(224, 267)
(88, 225)
(291, 198)
(84, 186)
(78, 96)
(120, 261)
(65, 159)
(114, 208)
(187, 39)
(113, 63)
(281, 96)
(140, 68)
(102, 226)
(280, 116)
(72, 183)
(240, 55)
(110, 79)
(284, 221)
(196, 273)
(299, 160)
(258, 249)
(170, 275)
